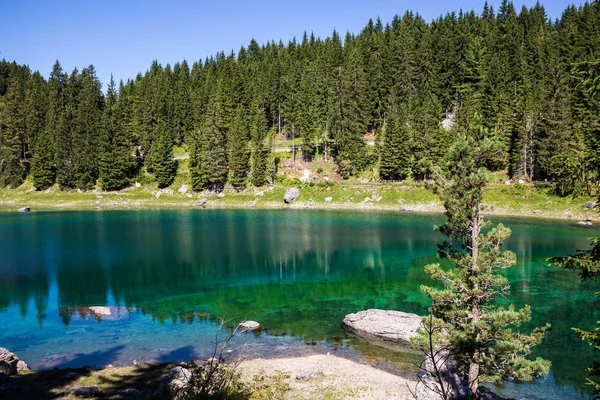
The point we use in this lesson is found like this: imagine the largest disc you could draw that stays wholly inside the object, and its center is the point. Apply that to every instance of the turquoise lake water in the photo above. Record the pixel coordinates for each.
(168, 276)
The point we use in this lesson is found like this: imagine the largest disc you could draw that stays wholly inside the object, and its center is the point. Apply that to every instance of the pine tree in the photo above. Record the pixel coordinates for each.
(42, 163)
(239, 153)
(65, 174)
(209, 168)
(260, 149)
(349, 138)
(479, 332)
(114, 158)
(395, 152)
(12, 135)
(164, 166)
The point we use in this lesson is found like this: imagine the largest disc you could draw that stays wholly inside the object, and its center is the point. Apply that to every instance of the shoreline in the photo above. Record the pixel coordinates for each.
(12, 206)
(318, 376)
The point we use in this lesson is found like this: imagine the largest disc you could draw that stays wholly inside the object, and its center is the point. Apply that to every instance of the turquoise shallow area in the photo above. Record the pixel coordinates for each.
(168, 276)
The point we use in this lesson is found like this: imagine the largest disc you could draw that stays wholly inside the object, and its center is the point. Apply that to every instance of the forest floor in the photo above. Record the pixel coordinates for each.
(522, 200)
(325, 377)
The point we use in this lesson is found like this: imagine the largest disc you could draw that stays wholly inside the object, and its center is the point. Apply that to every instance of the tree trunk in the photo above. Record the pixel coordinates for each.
(474, 365)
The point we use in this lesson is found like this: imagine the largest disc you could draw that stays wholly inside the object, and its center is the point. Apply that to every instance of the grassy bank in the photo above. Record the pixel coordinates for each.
(524, 200)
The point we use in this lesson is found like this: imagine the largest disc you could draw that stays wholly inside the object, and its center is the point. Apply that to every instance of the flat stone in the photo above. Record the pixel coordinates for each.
(309, 374)
(86, 391)
(383, 325)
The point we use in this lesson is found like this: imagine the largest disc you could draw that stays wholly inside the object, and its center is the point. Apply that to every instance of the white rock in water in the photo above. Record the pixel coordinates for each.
(248, 325)
(99, 310)
(394, 326)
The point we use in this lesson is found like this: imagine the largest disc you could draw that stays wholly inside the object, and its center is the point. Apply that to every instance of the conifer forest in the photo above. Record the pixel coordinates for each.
(529, 84)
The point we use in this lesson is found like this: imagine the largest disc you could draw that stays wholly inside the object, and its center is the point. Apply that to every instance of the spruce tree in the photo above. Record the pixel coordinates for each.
(260, 148)
(63, 142)
(12, 134)
(480, 332)
(114, 158)
(239, 153)
(395, 152)
(164, 166)
(42, 163)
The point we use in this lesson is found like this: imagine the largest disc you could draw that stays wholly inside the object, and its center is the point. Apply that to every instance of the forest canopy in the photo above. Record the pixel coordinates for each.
(518, 70)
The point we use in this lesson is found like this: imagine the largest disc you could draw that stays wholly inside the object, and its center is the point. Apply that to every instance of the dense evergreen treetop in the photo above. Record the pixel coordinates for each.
(516, 68)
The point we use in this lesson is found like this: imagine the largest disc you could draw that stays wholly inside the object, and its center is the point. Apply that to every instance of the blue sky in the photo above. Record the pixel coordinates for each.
(123, 37)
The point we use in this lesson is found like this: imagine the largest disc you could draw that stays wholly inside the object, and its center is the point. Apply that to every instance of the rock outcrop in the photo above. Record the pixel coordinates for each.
(291, 195)
(8, 362)
(393, 326)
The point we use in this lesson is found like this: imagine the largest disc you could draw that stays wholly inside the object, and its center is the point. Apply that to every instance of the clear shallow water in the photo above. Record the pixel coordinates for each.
(166, 274)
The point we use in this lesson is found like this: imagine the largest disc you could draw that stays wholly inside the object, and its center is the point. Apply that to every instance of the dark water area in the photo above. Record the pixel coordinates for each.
(169, 276)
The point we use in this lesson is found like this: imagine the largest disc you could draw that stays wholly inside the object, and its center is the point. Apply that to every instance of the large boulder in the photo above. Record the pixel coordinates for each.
(383, 325)
(8, 362)
(589, 204)
(177, 379)
(291, 195)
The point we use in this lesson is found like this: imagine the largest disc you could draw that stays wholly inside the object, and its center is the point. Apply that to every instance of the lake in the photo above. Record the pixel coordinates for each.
(168, 278)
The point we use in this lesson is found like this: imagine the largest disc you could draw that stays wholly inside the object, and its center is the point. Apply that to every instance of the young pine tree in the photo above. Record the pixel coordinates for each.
(479, 332)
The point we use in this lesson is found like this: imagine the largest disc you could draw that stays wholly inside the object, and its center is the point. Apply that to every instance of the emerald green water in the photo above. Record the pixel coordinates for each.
(166, 275)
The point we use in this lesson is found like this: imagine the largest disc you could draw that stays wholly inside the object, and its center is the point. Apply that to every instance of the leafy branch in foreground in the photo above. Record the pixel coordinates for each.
(479, 331)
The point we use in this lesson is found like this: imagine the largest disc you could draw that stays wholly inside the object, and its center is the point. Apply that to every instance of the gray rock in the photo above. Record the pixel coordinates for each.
(253, 204)
(131, 392)
(383, 325)
(177, 378)
(248, 325)
(291, 195)
(582, 223)
(328, 199)
(72, 375)
(22, 366)
(588, 219)
(25, 209)
(137, 184)
(589, 204)
(183, 189)
(569, 215)
(220, 195)
(158, 194)
(429, 389)
(8, 362)
(309, 374)
(86, 391)
(202, 203)
(536, 211)
(100, 311)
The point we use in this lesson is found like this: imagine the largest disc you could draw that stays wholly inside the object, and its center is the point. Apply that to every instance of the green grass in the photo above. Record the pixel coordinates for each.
(519, 200)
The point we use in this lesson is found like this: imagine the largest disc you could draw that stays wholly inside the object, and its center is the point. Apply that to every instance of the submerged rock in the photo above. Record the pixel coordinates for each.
(393, 326)
(291, 195)
(8, 362)
(248, 326)
(100, 311)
